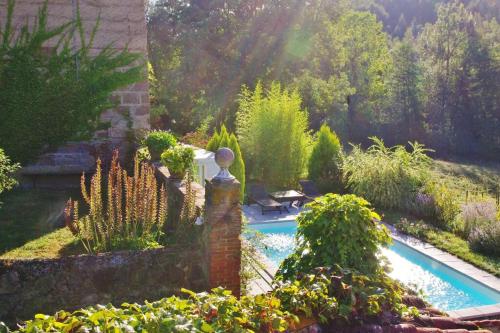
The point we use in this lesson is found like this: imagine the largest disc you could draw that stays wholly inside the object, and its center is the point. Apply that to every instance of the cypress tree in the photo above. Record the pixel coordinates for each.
(224, 138)
(213, 143)
(325, 161)
(238, 167)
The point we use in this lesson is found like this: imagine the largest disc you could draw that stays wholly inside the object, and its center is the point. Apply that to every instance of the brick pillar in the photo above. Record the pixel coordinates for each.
(222, 233)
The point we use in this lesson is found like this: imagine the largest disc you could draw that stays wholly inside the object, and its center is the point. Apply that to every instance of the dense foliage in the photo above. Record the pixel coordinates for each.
(414, 70)
(159, 141)
(128, 215)
(325, 162)
(178, 160)
(331, 296)
(273, 134)
(224, 139)
(388, 177)
(339, 297)
(337, 230)
(7, 169)
(53, 94)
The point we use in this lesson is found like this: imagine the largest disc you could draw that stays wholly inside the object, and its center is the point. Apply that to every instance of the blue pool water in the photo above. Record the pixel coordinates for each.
(443, 287)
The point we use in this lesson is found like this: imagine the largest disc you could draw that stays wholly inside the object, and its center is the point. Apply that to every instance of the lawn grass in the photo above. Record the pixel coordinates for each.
(443, 240)
(30, 225)
(55, 244)
(481, 174)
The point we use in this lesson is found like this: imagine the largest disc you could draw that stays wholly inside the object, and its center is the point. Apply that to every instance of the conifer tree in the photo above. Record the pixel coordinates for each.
(213, 143)
(237, 169)
(224, 138)
(326, 160)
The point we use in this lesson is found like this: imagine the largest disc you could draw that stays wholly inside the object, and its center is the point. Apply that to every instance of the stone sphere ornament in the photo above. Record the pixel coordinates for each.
(224, 158)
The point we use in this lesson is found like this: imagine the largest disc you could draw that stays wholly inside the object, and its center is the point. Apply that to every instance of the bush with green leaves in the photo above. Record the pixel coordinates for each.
(51, 95)
(336, 230)
(388, 177)
(7, 169)
(159, 141)
(273, 134)
(446, 205)
(339, 297)
(178, 160)
(325, 162)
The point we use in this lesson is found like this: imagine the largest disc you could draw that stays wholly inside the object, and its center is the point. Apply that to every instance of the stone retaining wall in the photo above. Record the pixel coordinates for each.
(28, 287)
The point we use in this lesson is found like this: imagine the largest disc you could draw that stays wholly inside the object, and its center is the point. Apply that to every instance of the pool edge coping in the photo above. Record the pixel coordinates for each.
(453, 262)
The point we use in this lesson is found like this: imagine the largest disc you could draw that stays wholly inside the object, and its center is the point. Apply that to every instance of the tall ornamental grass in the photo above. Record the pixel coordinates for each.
(273, 135)
(388, 177)
(128, 214)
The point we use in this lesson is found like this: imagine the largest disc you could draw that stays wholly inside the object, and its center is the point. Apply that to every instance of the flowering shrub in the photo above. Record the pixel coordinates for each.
(486, 238)
(423, 206)
(477, 214)
(131, 216)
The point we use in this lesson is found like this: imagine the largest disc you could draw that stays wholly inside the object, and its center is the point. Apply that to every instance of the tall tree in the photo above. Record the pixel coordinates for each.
(405, 87)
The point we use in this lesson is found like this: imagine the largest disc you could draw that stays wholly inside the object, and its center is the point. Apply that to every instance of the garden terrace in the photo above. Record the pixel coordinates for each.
(202, 257)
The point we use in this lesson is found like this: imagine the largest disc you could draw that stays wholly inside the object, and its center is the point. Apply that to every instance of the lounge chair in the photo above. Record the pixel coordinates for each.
(258, 194)
(309, 189)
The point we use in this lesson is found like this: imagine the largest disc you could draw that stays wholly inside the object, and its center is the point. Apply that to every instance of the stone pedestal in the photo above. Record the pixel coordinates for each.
(223, 230)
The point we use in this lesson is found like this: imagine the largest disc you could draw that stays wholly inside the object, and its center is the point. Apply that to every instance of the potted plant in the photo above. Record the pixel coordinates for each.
(178, 160)
(159, 141)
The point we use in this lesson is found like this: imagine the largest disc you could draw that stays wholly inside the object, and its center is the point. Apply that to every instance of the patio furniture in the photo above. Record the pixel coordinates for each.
(258, 194)
(309, 188)
(289, 196)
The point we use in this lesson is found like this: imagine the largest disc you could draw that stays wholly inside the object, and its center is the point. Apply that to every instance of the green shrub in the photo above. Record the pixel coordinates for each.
(237, 169)
(7, 169)
(178, 160)
(159, 141)
(273, 134)
(331, 296)
(387, 177)
(446, 205)
(336, 230)
(50, 96)
(129, 215)
(325, 162)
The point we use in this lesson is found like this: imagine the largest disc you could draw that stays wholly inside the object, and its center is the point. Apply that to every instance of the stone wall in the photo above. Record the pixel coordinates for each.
(122, 23)
(28, 287)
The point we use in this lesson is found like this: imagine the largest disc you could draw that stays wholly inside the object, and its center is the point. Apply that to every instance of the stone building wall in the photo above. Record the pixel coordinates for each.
(122, 23)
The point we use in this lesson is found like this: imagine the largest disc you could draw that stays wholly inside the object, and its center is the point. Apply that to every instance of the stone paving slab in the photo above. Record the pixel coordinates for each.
(480, 311)
(254, 215)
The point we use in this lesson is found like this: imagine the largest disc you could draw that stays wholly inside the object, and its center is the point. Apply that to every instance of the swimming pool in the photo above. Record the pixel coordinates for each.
(443, 287)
